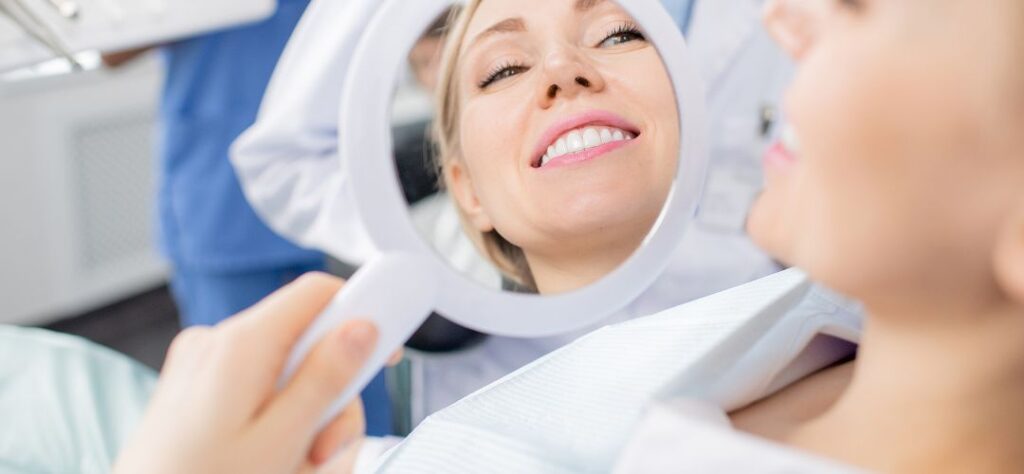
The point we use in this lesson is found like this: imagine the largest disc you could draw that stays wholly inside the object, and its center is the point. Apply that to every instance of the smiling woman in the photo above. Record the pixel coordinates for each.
(554, 136)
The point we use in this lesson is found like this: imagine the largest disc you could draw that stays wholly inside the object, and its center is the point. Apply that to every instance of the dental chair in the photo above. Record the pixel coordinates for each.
(67, 405)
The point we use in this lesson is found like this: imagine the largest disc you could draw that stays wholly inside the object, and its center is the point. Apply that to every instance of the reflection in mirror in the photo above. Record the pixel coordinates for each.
(555, 143)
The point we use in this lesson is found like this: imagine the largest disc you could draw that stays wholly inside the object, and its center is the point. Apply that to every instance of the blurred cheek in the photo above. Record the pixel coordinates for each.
(840, 214)
(792, 216)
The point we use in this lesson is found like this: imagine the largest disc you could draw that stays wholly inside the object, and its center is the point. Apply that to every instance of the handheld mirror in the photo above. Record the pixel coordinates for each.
(571, 152)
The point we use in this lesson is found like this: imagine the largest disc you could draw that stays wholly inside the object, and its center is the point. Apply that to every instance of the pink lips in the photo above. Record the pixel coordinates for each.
(778, 157)
(592, 118)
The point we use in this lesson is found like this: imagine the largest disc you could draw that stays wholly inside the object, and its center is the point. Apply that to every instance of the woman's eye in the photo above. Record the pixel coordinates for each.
(502, 73)
(623, 34)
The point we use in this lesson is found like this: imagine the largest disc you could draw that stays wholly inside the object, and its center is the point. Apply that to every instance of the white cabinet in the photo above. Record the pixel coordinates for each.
(77, 191)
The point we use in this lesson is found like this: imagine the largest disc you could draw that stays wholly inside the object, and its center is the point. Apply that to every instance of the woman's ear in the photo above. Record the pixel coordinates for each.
(1009, 256)
(460, 185)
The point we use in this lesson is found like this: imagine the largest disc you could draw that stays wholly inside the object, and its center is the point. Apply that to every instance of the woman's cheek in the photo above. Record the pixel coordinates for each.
(489, 130)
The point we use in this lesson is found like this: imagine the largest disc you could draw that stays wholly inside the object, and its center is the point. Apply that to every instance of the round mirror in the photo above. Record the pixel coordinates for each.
(569, 167)
(559, 170)
(565, 187)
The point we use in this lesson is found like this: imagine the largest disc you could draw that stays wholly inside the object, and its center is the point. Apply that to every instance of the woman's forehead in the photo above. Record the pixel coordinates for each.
(504, 16)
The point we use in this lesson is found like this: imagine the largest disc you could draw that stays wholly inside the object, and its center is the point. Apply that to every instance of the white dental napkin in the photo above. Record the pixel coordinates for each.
(576, 409)
(689, 439)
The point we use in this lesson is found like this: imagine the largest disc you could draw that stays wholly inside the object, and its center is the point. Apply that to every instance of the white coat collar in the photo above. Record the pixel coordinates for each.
(718, 31)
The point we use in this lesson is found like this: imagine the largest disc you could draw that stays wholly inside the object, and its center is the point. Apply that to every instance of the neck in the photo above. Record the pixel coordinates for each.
(936, 394)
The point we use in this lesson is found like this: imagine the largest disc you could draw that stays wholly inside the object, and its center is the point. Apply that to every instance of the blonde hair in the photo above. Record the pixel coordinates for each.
(508, 257)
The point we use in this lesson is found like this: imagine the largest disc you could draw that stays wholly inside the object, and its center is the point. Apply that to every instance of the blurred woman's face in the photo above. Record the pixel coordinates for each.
(907, 118)
(568, 128)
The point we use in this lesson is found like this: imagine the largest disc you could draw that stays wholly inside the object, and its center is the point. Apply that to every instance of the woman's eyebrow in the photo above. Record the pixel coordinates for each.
(584, 5)
(517, 25)
(508, 25)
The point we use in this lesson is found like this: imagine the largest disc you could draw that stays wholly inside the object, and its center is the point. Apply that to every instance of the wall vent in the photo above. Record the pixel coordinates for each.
(113, 180)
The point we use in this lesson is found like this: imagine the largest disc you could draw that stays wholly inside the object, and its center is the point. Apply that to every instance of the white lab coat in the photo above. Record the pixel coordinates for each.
(288, 166)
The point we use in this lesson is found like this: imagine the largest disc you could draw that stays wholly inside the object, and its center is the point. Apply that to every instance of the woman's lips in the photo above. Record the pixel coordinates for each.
(778, 156)
(585, 155)
(780, 164)
(596, 119)
(784, 154)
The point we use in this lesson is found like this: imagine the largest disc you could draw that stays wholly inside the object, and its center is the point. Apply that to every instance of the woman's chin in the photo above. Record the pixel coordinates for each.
(607, 236)
(624, 217)
(768, 227)
(600, 203)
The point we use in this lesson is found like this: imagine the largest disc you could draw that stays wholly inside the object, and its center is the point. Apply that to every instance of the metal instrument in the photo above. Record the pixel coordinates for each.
(30, 22)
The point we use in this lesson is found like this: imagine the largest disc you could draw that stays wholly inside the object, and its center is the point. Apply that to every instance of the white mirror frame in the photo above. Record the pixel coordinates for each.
(365, 140)
(398, 288)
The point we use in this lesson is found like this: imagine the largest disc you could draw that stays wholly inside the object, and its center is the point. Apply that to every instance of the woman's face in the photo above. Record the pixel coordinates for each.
(908, 119)
(568, 129)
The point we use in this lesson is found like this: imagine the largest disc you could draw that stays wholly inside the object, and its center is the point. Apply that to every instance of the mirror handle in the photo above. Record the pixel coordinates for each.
(396, 291)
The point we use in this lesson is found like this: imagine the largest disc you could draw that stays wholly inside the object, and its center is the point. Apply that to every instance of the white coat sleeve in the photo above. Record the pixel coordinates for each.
(287, 162)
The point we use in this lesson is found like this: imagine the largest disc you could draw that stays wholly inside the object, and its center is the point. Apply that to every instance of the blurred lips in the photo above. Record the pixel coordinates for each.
(783, 154)
(582, 137)
(778, 156)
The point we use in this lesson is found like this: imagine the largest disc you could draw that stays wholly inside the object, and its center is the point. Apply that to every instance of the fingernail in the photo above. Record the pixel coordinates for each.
(359, 338)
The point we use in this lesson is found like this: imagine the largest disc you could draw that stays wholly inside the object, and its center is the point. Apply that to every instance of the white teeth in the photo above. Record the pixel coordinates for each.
(575, 141)
(591, 138)
(789, 139)
(581, 139)
(561, 148)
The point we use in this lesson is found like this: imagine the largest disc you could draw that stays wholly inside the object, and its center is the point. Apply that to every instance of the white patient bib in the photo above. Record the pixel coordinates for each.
(575, 410)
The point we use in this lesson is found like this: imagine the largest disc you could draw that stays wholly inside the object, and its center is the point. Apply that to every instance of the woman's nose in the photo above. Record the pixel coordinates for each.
(566, 75)
(795, 24)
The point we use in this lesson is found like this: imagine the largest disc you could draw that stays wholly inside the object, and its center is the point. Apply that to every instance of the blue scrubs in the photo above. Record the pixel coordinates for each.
(681, 11)
(225, 259)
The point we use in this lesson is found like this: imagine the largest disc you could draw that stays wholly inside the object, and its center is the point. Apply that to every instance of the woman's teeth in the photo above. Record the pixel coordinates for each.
(789, 139)
(584, 138)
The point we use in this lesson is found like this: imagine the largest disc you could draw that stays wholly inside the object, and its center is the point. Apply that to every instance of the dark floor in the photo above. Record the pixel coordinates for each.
(141, 327)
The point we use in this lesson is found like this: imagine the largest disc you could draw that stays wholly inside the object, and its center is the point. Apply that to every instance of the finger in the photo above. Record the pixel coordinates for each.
(396, 358)
(275, 323)
(187, 348)
(257, 341)
(328, 369)
(348, 426)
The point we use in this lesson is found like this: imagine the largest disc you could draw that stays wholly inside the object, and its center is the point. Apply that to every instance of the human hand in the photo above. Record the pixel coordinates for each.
(216, 407)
